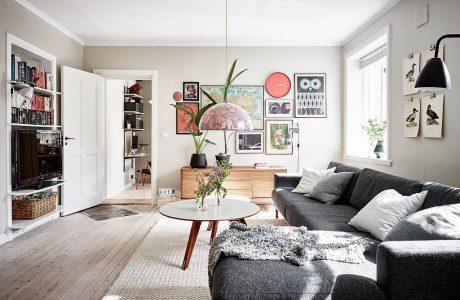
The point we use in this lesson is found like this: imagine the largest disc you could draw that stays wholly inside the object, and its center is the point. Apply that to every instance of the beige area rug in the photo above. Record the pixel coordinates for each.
(153, 272)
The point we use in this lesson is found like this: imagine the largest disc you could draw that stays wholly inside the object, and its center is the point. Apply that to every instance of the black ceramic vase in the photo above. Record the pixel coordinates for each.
(222, 157)
(379, 149)
(198, 161)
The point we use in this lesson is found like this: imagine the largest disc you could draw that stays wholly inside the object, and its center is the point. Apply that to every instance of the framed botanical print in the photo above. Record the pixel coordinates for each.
(248, 97)
(183, 120)
(277, 135)
(310, 95)
(276, 108)
(190, 91)
(248, 142)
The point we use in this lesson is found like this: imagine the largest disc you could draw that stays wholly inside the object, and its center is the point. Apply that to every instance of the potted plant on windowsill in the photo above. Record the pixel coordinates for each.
(198, 159)
(375, 130)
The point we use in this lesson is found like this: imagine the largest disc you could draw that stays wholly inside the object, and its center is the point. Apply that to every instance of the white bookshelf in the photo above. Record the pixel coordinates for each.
(35, 57)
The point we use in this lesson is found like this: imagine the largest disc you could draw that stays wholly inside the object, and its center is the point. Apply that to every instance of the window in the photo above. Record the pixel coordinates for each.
(366, 98)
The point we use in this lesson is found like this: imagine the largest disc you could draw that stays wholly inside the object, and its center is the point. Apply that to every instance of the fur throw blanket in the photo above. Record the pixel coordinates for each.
(295, 245)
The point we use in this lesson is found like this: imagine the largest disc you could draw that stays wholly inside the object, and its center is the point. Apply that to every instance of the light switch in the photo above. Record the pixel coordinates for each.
(422, 15)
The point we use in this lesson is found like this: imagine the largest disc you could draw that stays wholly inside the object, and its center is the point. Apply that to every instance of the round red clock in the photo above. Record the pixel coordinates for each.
(278, 85)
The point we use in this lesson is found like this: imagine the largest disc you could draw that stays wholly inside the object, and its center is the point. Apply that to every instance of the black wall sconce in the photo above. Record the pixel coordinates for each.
(434, 76)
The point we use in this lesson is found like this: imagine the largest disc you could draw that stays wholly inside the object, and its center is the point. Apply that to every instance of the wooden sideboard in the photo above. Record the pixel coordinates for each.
(243, 181)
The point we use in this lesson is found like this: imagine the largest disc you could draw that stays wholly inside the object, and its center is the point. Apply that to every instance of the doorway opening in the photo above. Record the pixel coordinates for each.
(131, 146)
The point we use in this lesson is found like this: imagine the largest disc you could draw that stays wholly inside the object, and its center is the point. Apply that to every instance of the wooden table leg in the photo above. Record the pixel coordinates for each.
(191, 243)
(214, 230)
(242, 221)
(210, 225)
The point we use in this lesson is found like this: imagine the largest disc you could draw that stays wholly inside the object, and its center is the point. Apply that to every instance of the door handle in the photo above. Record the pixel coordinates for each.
(68, 138)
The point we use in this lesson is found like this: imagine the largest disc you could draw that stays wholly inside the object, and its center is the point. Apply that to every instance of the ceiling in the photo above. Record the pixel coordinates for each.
(202, 22)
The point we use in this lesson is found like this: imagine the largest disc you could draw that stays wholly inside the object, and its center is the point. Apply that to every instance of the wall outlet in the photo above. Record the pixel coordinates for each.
(422, 16)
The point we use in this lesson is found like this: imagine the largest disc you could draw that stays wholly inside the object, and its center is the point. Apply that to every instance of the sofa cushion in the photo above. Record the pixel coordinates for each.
(385, 211)
(436, 223)
(330, 189)
(234, 278)
(284, 197)
(310, 178)
(439, 194)
(372, 182)
(319, 216)
(339, 167)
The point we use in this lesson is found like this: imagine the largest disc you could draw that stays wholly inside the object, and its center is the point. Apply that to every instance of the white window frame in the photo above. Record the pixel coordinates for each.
(383, 33)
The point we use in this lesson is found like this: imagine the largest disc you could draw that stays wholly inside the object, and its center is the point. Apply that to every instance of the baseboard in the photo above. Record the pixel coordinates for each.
(4, 237)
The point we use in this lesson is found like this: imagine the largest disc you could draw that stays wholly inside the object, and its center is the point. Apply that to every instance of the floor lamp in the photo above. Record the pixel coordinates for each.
(292, 131)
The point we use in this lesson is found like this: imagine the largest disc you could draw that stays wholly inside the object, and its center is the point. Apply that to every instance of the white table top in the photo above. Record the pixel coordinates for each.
(230, 209)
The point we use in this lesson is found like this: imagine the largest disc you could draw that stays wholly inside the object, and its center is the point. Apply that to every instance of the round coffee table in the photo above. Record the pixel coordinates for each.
(229, 210)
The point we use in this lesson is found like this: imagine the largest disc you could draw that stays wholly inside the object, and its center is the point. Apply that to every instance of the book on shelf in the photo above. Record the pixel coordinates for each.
(21, 72)
(37, 110)
(261, 165)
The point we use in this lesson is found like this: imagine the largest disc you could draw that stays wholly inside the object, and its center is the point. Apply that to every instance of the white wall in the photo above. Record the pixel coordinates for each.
(320, 138)
(421, 158)
(27, 26)
(114, 136)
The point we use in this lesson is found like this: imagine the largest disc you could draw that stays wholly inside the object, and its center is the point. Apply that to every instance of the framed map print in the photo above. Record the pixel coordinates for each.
(277, 137)
(310, 95)
(183, 120)
(250, 98)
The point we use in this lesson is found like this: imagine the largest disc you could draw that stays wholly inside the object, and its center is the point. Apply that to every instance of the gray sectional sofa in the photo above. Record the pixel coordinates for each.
(428, 269)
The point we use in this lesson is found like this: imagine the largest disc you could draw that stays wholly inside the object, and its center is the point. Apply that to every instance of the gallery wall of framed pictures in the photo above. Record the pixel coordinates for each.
(272, 117)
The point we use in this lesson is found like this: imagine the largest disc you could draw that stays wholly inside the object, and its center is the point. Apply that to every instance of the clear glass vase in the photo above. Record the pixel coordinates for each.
(218, 197)
(203, 203)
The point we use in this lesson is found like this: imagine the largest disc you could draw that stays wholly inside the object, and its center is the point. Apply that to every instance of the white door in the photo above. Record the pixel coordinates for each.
(84, 139)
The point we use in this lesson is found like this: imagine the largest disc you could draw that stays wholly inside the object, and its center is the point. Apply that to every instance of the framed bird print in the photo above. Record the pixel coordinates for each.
(310, 95)
(278, 137)
(411, 117)
(411, 69)
(432, 114)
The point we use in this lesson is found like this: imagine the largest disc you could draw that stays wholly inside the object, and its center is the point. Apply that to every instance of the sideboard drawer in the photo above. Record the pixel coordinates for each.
(237, 184)
(243, 181)
(244, 193)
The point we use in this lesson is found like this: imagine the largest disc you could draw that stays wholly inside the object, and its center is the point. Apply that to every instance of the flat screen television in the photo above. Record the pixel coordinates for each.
(36, 157)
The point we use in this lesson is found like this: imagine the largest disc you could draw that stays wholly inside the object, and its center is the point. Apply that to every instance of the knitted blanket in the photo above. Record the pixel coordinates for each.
(295, 245)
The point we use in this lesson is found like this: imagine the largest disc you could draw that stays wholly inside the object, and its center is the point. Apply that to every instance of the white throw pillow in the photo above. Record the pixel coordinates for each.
(310, 178)
(386, 210)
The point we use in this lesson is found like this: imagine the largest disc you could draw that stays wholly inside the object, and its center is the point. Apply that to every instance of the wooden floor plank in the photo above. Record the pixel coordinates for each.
(75, 257)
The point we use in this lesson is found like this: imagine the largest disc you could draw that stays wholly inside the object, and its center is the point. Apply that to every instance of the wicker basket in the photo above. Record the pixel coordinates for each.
(33, 208)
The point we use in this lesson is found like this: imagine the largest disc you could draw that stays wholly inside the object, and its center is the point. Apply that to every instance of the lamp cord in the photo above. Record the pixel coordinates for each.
(226, 37)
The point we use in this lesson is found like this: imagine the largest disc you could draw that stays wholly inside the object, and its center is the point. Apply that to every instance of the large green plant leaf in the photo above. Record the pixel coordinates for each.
(208, 96)
(236, 76)
(209, 142)
(201, 112)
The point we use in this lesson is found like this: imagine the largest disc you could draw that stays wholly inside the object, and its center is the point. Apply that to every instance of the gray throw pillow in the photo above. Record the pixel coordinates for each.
(436, 223)
(330, 188)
